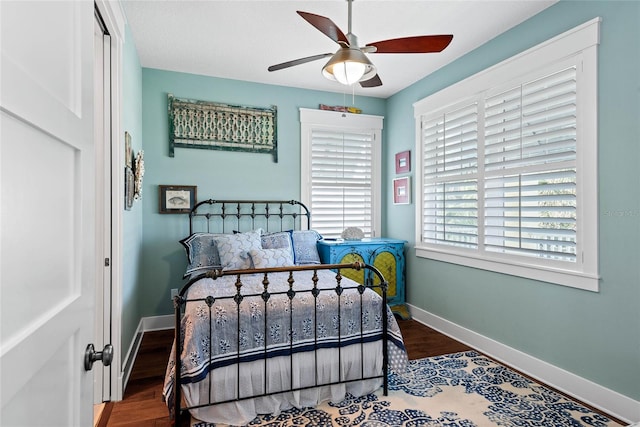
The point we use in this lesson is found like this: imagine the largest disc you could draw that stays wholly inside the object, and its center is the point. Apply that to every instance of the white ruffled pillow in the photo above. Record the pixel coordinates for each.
(234, 249)
(265, 258)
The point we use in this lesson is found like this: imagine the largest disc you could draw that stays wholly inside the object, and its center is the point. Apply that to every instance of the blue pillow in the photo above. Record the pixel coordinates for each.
(202, 253)
(305, 249)
(280, 239)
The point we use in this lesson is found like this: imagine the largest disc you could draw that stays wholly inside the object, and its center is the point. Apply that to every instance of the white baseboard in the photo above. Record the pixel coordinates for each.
(146, 324)
(602, 398)
(129, 359)
(158, 323)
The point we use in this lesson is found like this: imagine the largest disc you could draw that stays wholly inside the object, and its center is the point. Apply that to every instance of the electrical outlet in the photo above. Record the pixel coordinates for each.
(174, 292)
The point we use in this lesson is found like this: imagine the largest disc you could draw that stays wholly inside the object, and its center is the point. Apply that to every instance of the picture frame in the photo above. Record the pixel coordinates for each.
(177, 199)
(403, 162)
(128, 151)
(402, 191)
(128, 188)
(129, 185)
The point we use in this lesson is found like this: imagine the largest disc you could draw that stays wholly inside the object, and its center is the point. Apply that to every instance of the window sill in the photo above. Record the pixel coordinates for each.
(556, 276)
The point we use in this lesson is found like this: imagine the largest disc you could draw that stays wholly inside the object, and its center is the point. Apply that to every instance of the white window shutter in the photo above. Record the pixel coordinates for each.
(341, 170)
(341, 181)
(532, 127)
(450, 199)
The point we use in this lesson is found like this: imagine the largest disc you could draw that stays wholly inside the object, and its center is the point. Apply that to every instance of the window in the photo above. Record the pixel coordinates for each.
(508, 165)
(340, 170)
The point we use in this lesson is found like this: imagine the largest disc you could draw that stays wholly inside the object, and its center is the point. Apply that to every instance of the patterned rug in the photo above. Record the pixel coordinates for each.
(455, 390)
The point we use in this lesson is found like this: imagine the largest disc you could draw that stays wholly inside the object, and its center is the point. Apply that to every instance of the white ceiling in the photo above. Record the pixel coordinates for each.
(239, 39)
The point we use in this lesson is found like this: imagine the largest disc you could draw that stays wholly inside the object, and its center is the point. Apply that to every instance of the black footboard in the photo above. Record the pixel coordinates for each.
(314, 342)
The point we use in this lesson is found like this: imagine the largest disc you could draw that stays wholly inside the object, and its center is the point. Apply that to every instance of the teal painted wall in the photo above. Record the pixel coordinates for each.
(594, 335)
(218, 174)
(131, 220)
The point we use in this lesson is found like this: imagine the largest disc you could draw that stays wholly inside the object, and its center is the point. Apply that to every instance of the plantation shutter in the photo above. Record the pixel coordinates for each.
(530, 168)
(533, 191)
(450, 151)
(341, 181)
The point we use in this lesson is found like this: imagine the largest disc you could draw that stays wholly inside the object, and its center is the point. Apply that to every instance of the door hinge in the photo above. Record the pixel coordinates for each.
(107, 262)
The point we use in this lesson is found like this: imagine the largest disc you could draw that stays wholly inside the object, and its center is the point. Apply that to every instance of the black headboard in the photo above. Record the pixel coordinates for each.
(227, 216)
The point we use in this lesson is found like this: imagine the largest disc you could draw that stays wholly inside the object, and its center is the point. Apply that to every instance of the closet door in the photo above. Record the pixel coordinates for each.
(47, 212)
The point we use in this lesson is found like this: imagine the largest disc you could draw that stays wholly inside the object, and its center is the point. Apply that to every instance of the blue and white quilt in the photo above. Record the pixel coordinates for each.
(293, 325)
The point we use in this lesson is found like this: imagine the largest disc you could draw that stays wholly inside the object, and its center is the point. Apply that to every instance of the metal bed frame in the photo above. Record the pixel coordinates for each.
(252, 213)
(266, 214)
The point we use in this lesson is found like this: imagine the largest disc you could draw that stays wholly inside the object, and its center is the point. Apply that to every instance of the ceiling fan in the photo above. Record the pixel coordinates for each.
(350, 64)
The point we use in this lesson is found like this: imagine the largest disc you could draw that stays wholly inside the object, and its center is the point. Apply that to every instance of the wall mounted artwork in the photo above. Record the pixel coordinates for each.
(214, 126)
(403, 162)
(129, 183)
(177, 199)
(402, 191)
(138, 173)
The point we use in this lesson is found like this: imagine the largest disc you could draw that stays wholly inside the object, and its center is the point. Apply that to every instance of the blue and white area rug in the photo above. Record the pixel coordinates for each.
(456, 390)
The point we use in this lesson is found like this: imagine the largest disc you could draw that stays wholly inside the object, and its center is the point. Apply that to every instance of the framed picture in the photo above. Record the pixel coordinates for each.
(402, 191)
(177, 199)
(128, 188)
(403, 162)
(128, 151)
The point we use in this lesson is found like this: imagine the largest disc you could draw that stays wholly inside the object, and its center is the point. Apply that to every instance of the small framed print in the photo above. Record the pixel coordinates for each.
(402, 191)
(128, 151)
(128, 188)
(403, 162)
(177, 199)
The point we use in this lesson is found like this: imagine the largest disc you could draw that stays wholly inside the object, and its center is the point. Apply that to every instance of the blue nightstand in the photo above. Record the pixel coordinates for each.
(387, 255)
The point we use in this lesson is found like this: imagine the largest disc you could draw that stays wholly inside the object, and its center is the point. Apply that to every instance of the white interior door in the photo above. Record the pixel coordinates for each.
(47, 212)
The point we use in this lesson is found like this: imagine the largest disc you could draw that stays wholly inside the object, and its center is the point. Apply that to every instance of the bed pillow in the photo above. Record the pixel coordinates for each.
(305, 249)
(234, 249)
(202, 253)
(280, 239)
(265, 258)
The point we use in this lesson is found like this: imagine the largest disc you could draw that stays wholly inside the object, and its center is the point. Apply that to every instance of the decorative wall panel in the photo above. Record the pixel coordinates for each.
(209, 125)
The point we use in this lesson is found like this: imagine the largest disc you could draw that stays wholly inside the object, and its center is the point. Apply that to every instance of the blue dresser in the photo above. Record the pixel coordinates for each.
(387, 255)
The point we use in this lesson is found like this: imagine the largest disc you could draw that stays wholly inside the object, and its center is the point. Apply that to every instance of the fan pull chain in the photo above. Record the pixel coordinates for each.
(353, 96)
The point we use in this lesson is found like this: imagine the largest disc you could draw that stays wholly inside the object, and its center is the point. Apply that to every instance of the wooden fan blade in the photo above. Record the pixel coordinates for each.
(372, 82)
(298, 61)
(326, 26)
(417, 44)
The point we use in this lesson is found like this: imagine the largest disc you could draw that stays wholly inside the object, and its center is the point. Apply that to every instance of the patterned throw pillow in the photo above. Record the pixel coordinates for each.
(305, 249)
(234, 249)
(280, 239)
(202, 253)
(265, 258)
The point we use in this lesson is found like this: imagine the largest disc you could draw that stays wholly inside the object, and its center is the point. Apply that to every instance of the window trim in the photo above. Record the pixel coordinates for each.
(324, 119)
(580, 42)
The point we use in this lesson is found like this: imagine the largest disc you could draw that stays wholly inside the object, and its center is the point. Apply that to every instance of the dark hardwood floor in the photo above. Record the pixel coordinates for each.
(142, 405)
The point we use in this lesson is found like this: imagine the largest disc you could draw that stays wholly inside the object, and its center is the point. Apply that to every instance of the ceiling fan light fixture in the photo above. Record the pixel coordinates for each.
(349, 66)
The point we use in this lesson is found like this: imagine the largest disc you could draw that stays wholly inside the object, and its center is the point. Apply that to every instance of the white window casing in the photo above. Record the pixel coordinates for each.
(340, 170)
(507, 165)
